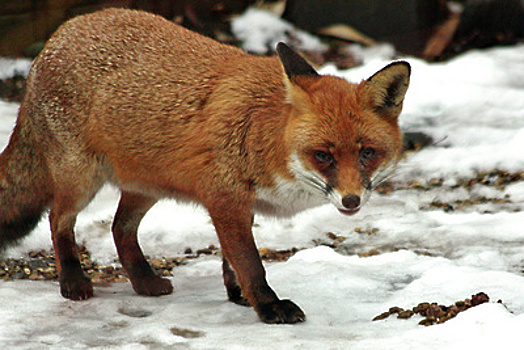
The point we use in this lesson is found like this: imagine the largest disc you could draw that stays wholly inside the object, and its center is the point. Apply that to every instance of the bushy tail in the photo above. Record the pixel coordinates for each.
(25, 187)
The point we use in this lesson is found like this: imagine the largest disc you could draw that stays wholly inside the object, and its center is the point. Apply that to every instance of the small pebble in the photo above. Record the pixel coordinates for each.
(405, 314)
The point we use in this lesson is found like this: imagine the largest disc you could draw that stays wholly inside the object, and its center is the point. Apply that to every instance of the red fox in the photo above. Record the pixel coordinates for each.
(129, 98)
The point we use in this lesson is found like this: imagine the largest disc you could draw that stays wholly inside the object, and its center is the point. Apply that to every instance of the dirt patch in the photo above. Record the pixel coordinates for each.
(41, 265)
(494, 178)
(434, 313)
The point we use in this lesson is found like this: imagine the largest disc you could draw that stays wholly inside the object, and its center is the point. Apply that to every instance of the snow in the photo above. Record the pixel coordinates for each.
(261, 30)
(473, 105)
(10, 67)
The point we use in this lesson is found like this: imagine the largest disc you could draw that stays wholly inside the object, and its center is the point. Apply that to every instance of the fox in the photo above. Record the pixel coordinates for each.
(129, 98)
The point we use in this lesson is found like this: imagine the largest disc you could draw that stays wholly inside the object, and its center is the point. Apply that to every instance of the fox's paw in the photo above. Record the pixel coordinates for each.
(153, 286)
(77, 288)
(280, 311)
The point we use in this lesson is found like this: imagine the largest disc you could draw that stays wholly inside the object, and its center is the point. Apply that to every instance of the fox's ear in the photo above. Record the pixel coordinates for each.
(387, 88)
(294, 64)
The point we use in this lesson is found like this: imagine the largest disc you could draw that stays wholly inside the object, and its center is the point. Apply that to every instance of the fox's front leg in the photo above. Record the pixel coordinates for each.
(233, 225)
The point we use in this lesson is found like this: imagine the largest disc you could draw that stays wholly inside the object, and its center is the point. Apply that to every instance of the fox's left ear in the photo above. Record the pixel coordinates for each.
(387, 88)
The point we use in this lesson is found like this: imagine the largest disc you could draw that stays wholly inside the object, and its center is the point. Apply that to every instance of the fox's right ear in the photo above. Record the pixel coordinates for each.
(294, 64)
(387, 88)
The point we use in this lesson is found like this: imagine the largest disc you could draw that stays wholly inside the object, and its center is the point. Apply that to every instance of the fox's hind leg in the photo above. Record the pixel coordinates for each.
(131, 210)
(234, 293)
(67, 203)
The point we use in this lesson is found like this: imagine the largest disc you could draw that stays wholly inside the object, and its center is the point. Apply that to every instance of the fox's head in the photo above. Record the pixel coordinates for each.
(341, 137)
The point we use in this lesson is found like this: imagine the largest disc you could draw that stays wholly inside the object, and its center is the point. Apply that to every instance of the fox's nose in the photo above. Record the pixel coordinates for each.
(351, 202)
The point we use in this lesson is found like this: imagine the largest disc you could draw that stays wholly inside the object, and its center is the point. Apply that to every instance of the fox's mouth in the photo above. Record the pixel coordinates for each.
(349, 211)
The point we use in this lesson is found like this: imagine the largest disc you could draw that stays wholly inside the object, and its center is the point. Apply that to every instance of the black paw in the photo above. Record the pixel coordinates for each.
(78, 287)
(235, 296)
(280, 311)
(153, 286)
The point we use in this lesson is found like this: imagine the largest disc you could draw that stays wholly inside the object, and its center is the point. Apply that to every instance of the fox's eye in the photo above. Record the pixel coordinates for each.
(324, 157)
(367, 154)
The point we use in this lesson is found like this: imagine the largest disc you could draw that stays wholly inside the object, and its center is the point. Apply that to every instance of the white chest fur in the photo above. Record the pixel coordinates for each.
(286, 198)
